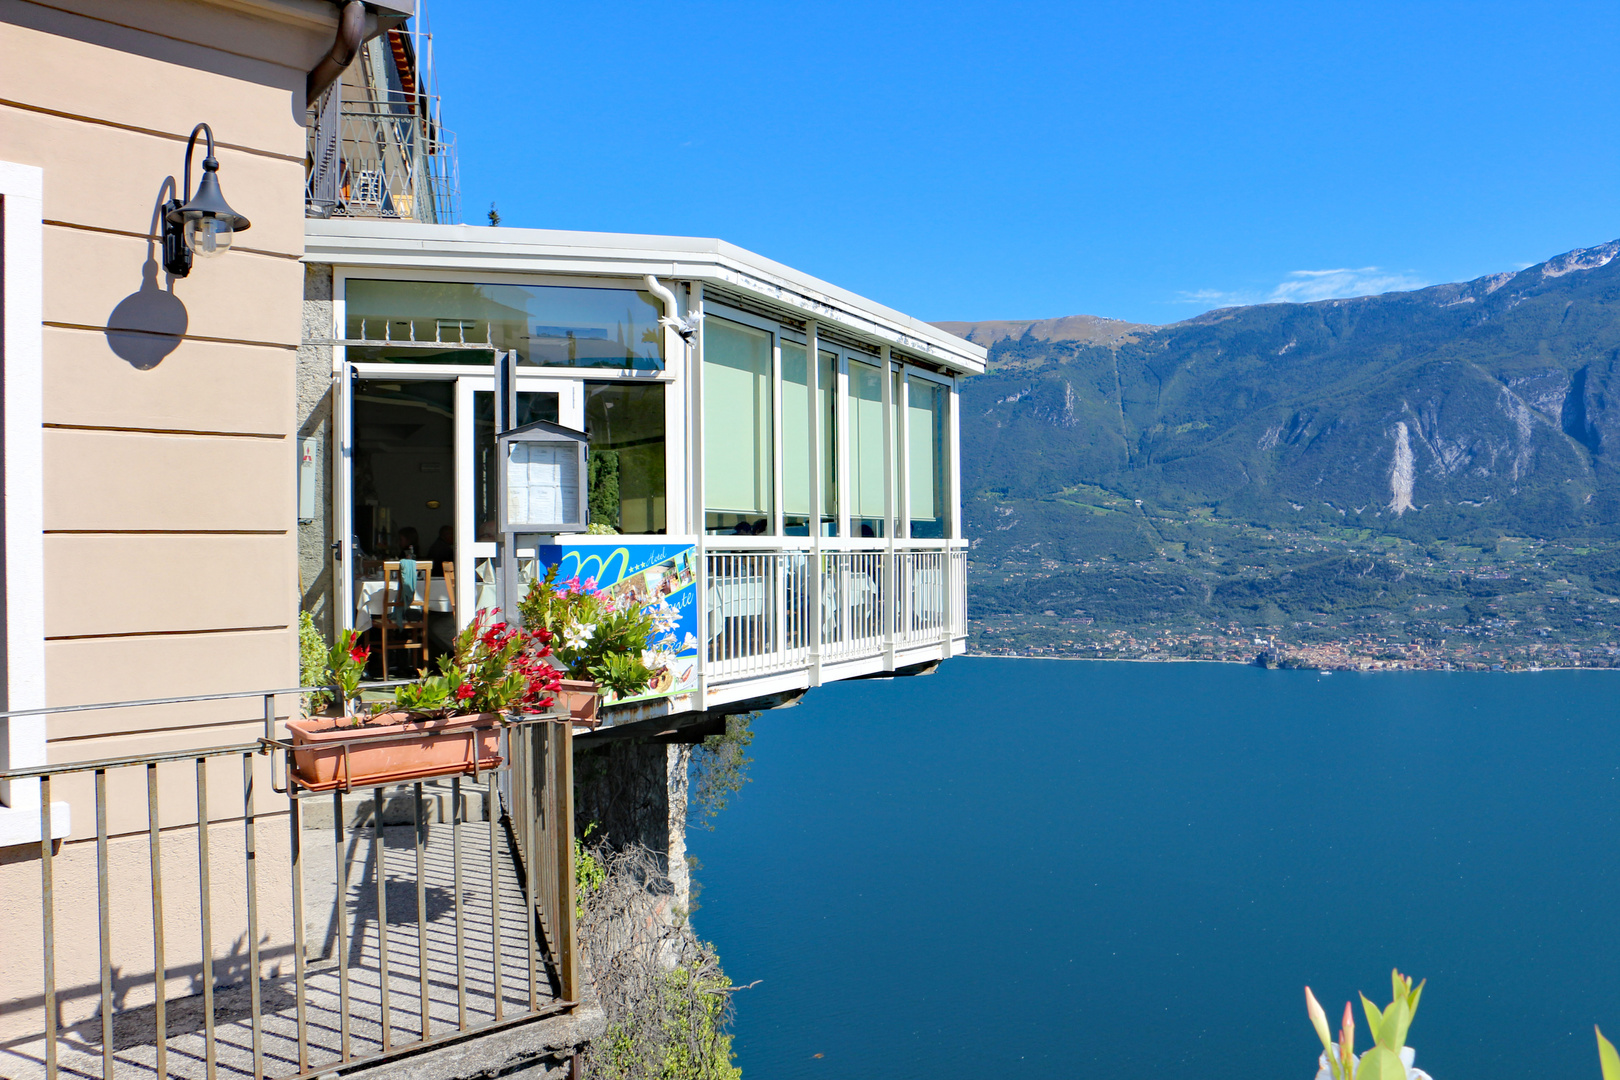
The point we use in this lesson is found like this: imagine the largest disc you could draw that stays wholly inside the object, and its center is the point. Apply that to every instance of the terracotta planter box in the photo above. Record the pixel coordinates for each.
(420, 748)
(581, 698)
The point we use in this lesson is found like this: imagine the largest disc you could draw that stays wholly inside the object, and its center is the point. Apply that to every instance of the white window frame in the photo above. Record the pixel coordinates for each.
(340, 319)
(543, 377)
(776, 330)
(22, 557)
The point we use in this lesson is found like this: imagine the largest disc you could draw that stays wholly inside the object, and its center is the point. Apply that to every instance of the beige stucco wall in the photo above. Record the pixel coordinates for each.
(171, 561)
(168, 404)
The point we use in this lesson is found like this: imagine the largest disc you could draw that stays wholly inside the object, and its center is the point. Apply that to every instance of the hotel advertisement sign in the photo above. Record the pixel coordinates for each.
(651, 575)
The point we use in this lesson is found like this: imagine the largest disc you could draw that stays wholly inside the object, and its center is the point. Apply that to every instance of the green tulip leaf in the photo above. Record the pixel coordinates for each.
(1607, 1058)
(1375, 1019)
(1397, 1018)
(1380, 1063)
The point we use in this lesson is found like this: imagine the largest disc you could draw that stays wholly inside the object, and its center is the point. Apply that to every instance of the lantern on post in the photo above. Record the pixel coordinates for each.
(541, 491)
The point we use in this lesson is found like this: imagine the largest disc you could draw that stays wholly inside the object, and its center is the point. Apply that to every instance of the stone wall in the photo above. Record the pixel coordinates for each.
(634, 791)
(317, 588)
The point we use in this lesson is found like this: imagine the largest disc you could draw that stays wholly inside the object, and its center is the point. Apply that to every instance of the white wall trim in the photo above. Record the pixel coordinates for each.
(22, 189)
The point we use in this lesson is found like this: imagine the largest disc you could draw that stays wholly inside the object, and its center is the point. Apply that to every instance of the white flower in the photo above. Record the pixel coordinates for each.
(664, 617)
(578, 635)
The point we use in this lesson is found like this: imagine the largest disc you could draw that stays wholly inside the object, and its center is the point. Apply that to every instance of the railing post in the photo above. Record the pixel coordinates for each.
(777, 561)
(103, 904)
(47, 887)
(205, 916)
(562, 763)
(159, 974)
(250, 856)
(295, 827)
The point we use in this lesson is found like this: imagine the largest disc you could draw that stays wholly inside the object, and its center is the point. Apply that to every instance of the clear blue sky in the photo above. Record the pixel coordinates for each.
(1008, 160)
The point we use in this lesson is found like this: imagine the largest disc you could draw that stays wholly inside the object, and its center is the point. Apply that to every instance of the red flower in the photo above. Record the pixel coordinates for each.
(464, 691)
(359, 654)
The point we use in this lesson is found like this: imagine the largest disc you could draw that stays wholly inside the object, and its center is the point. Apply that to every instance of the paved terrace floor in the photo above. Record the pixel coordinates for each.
(79, 1052)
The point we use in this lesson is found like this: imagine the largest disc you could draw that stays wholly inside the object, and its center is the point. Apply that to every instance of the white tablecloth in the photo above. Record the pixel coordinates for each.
(369, 599)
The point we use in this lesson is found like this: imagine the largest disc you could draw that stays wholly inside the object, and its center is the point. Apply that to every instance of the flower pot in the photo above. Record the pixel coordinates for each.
(581, 698)
(394, 747)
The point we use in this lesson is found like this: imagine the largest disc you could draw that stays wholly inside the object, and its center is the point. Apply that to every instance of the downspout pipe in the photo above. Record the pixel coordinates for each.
(672, 314)
(351, 31)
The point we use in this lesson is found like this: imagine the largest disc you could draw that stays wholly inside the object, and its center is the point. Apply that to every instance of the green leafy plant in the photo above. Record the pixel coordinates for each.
(589, 873)
(346, 665)
(592, 635)
(493, 668)
(603, 470)
(312, 649)
(1387, 1027)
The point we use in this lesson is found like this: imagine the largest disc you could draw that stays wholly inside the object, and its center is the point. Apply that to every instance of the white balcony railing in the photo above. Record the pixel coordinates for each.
(769, 611)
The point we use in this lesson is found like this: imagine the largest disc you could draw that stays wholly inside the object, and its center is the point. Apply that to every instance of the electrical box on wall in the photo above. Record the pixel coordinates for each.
(309, 456)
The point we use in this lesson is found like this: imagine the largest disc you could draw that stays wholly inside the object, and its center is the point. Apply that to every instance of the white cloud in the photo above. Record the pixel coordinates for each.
(1304, 286)
(1214, 298)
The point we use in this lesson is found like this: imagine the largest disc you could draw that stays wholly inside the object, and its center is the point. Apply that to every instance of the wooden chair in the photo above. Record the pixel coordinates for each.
(410, 632)
(448, 572)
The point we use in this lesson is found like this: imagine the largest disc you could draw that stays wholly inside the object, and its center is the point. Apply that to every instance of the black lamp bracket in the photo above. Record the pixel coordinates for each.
(207, 203)
(176, 256)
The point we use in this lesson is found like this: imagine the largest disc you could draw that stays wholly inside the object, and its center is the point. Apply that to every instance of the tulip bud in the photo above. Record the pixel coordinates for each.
(1318, 1019)
(1347, 1041)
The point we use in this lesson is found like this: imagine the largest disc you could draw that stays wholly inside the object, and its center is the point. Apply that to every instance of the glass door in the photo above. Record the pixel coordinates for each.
(538, 398)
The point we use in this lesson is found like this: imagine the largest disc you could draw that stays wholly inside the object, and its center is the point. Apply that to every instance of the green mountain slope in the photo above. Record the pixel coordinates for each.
(1457, 414)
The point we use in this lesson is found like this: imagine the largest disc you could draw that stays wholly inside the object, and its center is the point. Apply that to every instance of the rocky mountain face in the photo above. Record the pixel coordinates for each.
(1085, 328)
(1487, 407)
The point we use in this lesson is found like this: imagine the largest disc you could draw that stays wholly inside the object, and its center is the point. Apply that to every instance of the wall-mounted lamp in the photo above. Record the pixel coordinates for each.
(204, 223)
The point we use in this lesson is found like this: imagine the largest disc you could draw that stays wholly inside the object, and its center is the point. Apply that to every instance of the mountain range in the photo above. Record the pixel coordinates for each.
(1492, 404)
(1135, 474)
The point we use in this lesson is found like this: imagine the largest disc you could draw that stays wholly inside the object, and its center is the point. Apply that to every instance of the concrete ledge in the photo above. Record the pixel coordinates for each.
(398, 805)
(541, 1050)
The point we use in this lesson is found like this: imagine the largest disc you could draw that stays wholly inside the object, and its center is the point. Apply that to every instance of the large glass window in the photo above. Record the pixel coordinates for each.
(404, 480)
(927, 421)
(796, 510)
(625, 425)
(737, 449)
(558, 325)
(540, 405)
(866, 450)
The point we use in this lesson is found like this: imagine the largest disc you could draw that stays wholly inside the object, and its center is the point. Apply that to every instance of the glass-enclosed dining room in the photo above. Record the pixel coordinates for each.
(415, 404)
(856, 444)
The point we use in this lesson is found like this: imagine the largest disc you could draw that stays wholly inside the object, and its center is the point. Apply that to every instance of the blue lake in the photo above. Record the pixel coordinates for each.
(1025, 868)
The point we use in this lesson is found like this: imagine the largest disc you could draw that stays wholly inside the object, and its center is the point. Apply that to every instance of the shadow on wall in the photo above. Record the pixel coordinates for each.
(148, 324)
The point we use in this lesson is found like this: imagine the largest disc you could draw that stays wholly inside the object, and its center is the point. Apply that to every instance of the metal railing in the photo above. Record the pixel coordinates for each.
(386, 157)
(481, 863)
(762, 605)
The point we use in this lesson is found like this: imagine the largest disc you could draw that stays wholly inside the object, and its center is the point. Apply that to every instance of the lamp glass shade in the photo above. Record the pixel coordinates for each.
(208, 236)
